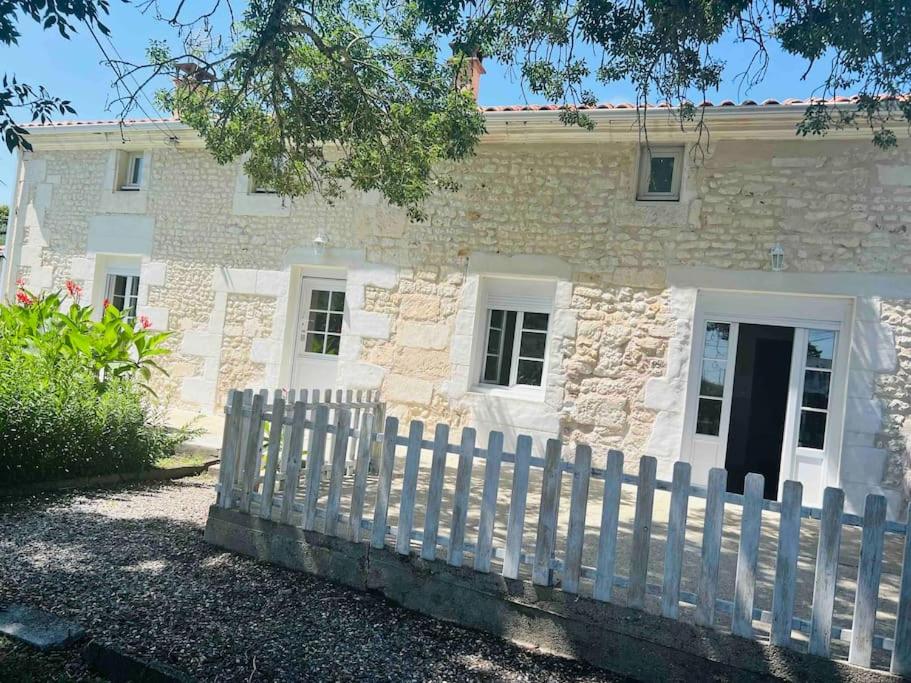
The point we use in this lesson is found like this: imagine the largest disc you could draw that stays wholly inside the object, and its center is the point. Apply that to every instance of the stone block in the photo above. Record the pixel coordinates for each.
(863, 415)
(374, 275)
(370, 325)
(205, 344)
(894, 175)
(360, 375)
(41, 278)
(40, 629)
(564, 323)
(264, 351)
(423, 335)
(861, 383)
(420, 307)
(82, 268)
(157, 315)
(863, 464)
(234, 280)
(198, 390)
(874, 347)
(272, 282)
(30, 255)
(153, 273)
(403, 389)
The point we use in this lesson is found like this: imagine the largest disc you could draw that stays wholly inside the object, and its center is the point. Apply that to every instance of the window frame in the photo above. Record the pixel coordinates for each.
(515, 354)
(646, 154)
(111, 276)
(129, 162)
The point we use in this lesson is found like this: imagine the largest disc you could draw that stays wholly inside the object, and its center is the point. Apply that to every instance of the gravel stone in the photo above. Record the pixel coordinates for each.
(130, 566)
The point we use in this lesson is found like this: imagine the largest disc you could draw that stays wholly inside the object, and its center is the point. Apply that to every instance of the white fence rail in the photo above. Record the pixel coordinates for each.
(325, 482)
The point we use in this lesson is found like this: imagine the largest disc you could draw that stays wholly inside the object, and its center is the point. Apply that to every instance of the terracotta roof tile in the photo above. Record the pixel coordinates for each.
(100, 122)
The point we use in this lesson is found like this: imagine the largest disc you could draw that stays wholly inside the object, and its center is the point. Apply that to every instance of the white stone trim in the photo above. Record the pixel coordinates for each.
(247, 203)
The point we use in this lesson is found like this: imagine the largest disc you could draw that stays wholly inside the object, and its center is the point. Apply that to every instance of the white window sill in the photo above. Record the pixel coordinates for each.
(522, 393)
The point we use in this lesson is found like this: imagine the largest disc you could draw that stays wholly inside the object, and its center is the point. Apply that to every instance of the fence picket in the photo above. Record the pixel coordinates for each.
(901, 652)
(748, 555)
(356, 418)
(833, 503)
(435, 492)
(286, 448)
(610, 517)
(275, 438)
(315, 458)
(245, 418)
(676, 538)
(707, 587)
(295, 452)
(518, 498)
(642, 532)
(409, 488)
(252, 453)
(264, 393)
(786, 564)
(546, 537)
(384, 483)
(337, 471)
(460, 498)
(231, 453)
(578, 506)
(869, 570)
(489, 502)
(361, 467)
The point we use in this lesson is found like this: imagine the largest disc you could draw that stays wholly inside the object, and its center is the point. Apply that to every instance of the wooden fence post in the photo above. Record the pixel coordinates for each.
(460, 497)
(435, 492)
(610, 517)
(339, 456)
(409, 487)
(546, 537)
(515, 522)
(275, 444)
(578, 506)
(707, 587)
(676, 539)
(826, 577)
(642, 532)
(748, 556)
(293, 462)
(901, 652)
(869, 570)
(314, 471)
(361, 467)
(252, 452)
(786, 564)
(232, 452)
(484, 549)
(384, 483)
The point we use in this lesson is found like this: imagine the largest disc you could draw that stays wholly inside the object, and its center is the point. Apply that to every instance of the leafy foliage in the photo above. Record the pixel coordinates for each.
(4, 219)
(108, 349)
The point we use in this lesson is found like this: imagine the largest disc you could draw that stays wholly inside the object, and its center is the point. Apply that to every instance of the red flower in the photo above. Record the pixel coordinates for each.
(145, 322)
(20, 282)
(75, 291)
(23, 298)
(105, 304)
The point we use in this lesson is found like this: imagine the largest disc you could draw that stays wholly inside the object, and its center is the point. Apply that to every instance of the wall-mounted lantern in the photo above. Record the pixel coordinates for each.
(776, 257)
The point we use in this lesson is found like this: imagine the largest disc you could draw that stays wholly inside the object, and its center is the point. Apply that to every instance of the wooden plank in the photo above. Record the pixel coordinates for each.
(293, 471)
(901, 652)
(361, 467)
(610, 517)
(286, 447)
(786, 564)
(869, 571)
(546, 536)
(409, 488)
(484, 549)
(833, 503)
(460, 497)
(384, 483)
(261, 440)
(435, 492)
(515, 523)
(707, 588)
(225, 438)
(315, 458)
(748, 556)
(356, 418)
(252, 453)
(275, 445)
(676, 538)
(244, 439)
(339, 454)
(578, 507)
(642, 532)
(231, 453)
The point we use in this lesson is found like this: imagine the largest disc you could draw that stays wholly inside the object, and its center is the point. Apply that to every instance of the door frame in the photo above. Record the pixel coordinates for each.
(802, 312)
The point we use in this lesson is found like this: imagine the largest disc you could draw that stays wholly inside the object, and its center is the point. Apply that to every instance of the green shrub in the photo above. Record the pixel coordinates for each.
(72, 396)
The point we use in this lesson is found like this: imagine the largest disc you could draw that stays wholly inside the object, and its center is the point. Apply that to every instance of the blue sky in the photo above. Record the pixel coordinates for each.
(73, 70)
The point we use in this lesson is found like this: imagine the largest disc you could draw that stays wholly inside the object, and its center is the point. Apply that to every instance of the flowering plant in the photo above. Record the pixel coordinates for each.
(57, 326)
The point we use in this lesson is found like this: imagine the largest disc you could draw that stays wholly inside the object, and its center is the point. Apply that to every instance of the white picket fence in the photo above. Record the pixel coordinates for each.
(346, 454)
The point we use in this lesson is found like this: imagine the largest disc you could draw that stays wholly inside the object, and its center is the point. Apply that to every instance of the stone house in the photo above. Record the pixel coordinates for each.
(740, 300)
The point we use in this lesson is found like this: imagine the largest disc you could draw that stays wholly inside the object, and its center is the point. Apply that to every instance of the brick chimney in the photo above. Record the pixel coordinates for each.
(191, 76)
(469, 76)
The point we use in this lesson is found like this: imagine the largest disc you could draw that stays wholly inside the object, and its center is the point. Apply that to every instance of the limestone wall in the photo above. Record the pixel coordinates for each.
(219, 268)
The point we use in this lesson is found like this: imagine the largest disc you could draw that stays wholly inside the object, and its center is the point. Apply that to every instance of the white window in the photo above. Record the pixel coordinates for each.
(659, 173)
(131, 172)
(122, 292)
(323, 331)
(711, 386)
(817, 380)
(516, 333)
(264, 188)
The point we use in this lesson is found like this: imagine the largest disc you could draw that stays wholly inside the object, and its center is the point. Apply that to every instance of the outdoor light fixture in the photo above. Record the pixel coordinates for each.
(776, 257)
(319, 244)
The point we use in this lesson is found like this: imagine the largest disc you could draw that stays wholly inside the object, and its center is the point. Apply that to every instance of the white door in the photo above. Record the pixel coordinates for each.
(807, 432)
(318, 333)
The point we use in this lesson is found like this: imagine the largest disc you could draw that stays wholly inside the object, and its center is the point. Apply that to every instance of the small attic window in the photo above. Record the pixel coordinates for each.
(660, 170)
(132, 169)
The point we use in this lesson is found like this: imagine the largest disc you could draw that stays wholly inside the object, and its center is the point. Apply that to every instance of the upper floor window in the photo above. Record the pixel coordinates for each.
(122, 292)
(132, 169)
(660, 170)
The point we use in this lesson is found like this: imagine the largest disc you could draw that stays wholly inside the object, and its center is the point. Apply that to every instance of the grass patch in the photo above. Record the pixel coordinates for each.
(188, 459)
(20, 663)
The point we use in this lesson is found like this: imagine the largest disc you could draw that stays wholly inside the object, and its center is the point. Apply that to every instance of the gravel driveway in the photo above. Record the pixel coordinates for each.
(131, 566)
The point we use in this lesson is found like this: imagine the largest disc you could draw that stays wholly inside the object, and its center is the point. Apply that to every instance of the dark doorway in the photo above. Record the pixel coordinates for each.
(758, 405)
